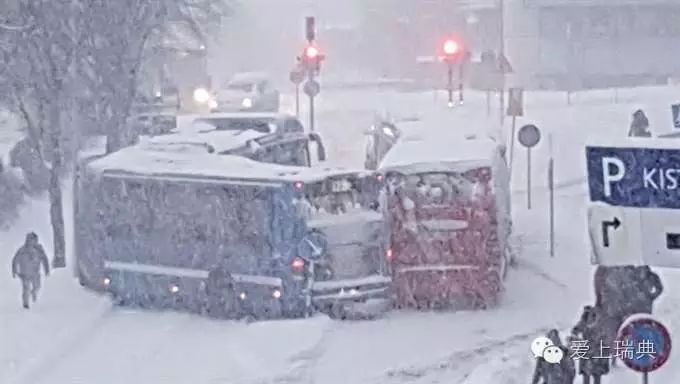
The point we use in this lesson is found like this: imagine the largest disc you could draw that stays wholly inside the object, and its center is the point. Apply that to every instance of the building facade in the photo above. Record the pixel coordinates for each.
(593, 43)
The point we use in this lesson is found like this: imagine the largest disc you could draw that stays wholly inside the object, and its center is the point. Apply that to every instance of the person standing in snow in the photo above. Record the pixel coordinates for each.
(560, 373)
(220, 291)
(26, 266)
(591, 330)
(639, 127)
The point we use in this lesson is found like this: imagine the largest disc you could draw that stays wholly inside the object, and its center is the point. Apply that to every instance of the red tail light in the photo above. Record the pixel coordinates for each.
(298, 185)
(298, 265)
(380, 177)
(388, 254)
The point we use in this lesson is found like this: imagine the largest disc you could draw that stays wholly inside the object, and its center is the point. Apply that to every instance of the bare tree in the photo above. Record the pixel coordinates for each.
(39, 57)
(59, 53)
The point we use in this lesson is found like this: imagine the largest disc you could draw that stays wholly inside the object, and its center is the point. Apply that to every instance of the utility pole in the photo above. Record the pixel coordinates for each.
(501, 58)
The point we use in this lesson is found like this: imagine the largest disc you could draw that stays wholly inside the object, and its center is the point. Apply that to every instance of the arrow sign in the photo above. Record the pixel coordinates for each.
(605, 229)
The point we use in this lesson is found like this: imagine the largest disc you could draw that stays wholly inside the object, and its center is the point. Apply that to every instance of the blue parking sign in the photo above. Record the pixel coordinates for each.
(675, 111)
(634, 177)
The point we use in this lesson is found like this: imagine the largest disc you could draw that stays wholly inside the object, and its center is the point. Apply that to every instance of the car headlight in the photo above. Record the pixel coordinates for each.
(201, 95)
(276, 294)
(247, 102)
(212, 104)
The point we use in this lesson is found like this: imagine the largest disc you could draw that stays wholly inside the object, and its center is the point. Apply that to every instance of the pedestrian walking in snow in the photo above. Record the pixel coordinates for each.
(639, 127)
(648, 288)
(560, 373)
(222, 300)
(26, 266)
(589, 343)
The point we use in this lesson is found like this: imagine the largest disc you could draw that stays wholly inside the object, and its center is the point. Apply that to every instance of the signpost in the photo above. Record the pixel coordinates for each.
(515, 108)
(551, 197)
(645, 345)
(297, 76)
(529, 136)
(675, 112)
(634, 217)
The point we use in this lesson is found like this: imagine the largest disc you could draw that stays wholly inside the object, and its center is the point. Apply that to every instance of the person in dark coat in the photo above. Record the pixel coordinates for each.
(220, 291)
(560, 373)
(26, 266)
(648, 288)
(592, 328)
(639, 127)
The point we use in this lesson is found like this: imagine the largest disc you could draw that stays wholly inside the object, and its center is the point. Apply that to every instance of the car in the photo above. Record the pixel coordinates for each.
(248, 91)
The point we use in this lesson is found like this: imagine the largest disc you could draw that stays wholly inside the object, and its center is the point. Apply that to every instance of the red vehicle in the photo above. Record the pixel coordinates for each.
(448, 205)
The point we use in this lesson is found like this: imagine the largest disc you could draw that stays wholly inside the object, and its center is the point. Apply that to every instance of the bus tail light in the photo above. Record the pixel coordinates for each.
(297, 265)
(389, 255)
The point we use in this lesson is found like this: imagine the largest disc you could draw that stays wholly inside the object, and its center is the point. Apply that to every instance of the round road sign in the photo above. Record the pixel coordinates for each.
(529, 135)
(296, 76)
(312, 88)
(644, 344)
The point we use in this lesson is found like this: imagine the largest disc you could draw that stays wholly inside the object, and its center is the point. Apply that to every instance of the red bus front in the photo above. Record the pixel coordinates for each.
(445, 243)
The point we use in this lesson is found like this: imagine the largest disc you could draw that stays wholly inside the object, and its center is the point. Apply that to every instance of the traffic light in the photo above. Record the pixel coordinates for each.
(452, 49)
(311, 59)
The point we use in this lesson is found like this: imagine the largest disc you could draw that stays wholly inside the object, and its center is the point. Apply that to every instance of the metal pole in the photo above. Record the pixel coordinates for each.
(460, 84)
(501, 10)
(528, 178)
(311, 113)
(551, 188)
(512, 142)
(488, 102)
(551, 185)
(645, 377)
(297, 100)
(450, 84)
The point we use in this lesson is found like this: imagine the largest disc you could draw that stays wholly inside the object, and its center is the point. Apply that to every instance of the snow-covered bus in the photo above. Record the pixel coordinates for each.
(151, 225)
(448, 206)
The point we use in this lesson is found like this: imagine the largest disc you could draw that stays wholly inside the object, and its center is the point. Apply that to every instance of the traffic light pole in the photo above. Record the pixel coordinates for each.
(450, 84)
(297, 100)
(460, 83)
(501, 11)
(311, 105)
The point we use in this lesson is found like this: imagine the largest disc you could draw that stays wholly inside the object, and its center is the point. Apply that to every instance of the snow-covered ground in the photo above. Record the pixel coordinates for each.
(73, 336)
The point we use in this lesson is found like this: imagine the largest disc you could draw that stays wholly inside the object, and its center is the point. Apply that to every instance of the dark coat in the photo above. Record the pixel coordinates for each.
(639, 127)
(593, 328)
(648, 288)
(27, 260)
(561, 373)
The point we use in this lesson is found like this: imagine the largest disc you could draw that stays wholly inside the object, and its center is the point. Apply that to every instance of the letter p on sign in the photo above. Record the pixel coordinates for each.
(608, 178)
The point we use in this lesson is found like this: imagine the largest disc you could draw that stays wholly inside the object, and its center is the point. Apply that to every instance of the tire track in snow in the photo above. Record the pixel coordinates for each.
(303, 363)
(43, 365)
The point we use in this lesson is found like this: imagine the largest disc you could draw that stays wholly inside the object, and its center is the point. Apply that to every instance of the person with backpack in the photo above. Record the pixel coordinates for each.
(592, 331)
(639, 127)
(26, 266)
(558, 373)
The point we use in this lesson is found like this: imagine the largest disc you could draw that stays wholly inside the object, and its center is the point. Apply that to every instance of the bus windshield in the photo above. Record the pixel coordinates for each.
(438, 188)
(340, 195)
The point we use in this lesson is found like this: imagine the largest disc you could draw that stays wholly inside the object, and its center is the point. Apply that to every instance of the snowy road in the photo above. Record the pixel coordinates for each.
(72, 336)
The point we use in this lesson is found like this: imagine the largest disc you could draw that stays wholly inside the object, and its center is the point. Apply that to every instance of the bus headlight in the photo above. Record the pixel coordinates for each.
(247, 103)
(174, 288)
(107, 281)
(242, 296)
(201, 95)
(276, 294)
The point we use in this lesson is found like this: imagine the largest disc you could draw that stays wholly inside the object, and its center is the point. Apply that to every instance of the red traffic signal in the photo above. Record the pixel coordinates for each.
(451, 47)
(311, 58)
